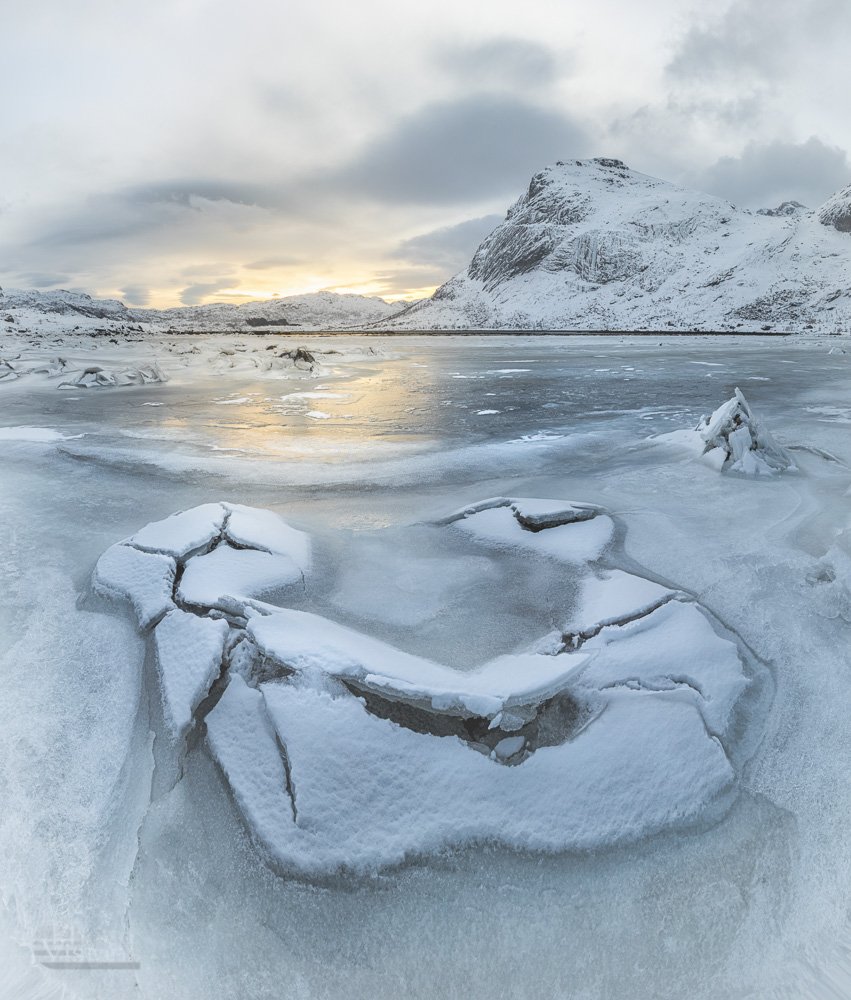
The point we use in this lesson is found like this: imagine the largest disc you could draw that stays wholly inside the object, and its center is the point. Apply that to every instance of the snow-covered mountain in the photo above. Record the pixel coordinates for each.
(61, 311)
(319, 310)
(593, 245)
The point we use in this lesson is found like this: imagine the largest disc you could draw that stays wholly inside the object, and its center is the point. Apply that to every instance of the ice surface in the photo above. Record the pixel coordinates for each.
(40, 434)
(189, 654)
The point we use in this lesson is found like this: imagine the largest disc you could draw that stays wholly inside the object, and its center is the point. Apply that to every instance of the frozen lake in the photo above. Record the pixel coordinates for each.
(104, 835)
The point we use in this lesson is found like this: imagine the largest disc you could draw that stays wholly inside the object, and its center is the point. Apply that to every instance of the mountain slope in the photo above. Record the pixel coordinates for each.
(593, 245)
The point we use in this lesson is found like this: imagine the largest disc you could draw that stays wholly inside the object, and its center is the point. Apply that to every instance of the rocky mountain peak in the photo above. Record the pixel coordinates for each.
(836, 211)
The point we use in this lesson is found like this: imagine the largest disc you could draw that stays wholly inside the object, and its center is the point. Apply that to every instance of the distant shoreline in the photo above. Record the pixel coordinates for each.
(490, 333)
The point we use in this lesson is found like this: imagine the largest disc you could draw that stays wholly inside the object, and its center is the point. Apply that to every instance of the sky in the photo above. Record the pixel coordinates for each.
(176, 152)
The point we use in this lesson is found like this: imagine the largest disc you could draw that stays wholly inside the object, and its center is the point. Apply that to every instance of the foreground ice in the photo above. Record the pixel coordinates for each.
(344, 752)
(732, 440)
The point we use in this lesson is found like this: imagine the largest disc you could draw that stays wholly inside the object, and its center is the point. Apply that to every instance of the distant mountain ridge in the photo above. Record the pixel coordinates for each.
(593, 245)
(63, 309)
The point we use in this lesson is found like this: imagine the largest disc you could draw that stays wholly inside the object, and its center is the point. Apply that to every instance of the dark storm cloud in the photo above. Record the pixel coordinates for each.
(468, 149)
(758, 38)
(767, 174)
(501, 62)
(133, 211)
(449, 248)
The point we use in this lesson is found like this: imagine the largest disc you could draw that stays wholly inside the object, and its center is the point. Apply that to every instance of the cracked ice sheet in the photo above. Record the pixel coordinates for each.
(189, 658)
(368, 793)
(213, 579)
(577, 542)
(674, 645)
(312, 645)
(182, 533)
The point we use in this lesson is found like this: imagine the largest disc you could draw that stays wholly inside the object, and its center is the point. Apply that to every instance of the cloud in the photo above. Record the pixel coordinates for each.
(464, 150)
(44, 279)
(449, 248)
(269, 263)
(766, 174)
(192, 295)
(136, 295)
(757, 39)
(501, 62)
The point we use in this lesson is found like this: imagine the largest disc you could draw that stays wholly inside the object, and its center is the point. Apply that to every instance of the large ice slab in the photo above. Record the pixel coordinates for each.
(359, 792)
(189, 653)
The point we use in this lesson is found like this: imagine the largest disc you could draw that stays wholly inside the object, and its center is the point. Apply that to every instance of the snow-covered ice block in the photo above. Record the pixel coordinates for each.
(312, 645)
(673, 647)
(189, 658)
(264, 529)
(210, 580)
(145, 579)
(360, 792)
(613, 596)
(183, 533)
(575, 542)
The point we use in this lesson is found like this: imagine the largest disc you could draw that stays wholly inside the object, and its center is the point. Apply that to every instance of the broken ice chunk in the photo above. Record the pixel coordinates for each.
(145, 579)
(614, 596)
(209, 580)
(264, 529)
(183, 533)
(189, 658)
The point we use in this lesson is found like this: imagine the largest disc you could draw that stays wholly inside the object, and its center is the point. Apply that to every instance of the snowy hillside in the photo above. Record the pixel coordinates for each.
(593, 245)
(63, 311)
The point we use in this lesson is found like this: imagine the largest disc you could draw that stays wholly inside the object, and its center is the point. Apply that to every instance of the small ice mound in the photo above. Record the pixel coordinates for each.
(346, 753)
(742, 443)
(732, 440)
